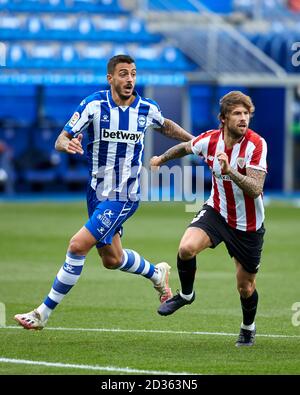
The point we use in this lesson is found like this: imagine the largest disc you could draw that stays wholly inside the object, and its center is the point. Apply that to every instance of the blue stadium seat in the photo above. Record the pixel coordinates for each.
(54, 6)
(16, 56)
(11, 26)
(18, 105)
(43, 55)
(16, 137)
(218, 6)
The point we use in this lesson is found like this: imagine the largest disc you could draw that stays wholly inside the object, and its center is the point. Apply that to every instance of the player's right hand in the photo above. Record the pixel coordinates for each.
(74, 146)
(155, 162)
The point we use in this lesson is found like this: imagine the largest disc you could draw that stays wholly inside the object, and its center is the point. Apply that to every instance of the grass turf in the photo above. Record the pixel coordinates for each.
(34, 238)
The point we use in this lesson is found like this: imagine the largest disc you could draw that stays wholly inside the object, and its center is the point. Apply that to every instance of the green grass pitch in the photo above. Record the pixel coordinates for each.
(197, 339)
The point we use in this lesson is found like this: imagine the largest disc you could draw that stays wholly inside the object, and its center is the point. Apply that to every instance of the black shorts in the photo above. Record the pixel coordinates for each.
(246, 247)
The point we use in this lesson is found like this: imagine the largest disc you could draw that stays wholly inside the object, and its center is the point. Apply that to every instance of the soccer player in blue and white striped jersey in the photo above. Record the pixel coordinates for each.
(115, 121)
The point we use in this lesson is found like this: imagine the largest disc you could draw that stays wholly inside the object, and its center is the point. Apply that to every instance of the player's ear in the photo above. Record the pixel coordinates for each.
(109, 78)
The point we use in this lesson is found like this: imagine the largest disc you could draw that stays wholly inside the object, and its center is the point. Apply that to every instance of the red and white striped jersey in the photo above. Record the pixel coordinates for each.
(238, 209)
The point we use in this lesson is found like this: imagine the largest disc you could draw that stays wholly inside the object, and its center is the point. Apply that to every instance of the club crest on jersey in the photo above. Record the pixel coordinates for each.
(120, 136)
(241, 162)
(74, 119)
(141, 121)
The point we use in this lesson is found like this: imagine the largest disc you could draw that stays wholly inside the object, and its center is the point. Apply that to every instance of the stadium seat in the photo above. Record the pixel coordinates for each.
(16, 137)
(54, 6)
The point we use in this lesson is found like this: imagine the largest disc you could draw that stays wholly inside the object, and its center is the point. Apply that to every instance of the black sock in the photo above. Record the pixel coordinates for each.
(249, 307)
(186, 271)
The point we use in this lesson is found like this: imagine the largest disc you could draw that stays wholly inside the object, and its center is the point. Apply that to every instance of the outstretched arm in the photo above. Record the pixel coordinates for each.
(252, 183)
(173, 130)
(66, 143)
(178, 151)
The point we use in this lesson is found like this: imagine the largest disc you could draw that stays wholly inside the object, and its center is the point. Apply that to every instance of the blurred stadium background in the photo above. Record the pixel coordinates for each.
(188, 52)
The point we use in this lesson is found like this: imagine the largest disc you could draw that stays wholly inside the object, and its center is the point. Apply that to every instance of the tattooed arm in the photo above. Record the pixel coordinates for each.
(171, 129)
(178, 151)
(252, 183)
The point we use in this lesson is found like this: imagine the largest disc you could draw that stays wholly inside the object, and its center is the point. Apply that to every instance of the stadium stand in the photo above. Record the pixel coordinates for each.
(54, 38)
(64, 6)
(58, 49)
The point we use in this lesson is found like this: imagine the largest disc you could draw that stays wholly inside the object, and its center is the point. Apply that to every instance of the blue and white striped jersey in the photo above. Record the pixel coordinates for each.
(115, 142)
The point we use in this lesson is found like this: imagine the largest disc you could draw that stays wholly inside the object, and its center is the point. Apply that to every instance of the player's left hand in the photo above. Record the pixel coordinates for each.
(224, 163)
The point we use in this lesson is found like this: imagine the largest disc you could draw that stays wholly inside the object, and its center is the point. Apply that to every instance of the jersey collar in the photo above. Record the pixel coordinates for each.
(113, 104)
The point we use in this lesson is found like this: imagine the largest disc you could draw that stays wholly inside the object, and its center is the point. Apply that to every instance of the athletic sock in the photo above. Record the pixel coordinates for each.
(132, 262)
(248, 327)
(249, 307)
(66, 278)
(186, 270)
(186, 297)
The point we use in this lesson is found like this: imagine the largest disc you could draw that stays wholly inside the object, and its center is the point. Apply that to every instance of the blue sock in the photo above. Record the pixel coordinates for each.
(132, 262)
(66, 278)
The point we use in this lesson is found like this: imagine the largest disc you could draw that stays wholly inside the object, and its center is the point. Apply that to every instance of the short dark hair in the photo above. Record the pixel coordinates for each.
(116, 60)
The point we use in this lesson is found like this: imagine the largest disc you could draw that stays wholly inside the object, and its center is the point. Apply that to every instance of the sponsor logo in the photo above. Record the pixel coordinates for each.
(141, 121)
(69, 268)
(241, 162)
(105, 219)
(122, 136)
(74, 119)
(224, 177)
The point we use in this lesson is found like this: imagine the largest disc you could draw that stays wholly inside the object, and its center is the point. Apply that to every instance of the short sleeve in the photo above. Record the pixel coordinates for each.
(80, 119)
(258, 156)
(197, 145)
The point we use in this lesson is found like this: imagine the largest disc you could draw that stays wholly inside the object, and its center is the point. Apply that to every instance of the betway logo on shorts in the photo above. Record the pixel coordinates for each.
(120, 136)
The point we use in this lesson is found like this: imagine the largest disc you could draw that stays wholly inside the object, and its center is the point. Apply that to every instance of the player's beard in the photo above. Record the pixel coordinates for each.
(236, 133)
(122, 95)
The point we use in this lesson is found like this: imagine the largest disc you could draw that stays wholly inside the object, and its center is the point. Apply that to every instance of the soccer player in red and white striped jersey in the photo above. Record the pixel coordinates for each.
(234, 212)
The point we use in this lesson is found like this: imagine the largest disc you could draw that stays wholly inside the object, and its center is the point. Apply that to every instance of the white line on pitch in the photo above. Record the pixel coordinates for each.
(152, 331)
(87, 367)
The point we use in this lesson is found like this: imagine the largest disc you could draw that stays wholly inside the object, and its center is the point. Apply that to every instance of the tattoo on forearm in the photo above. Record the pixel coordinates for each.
(171, 129)
(252, 183)
(178, 151)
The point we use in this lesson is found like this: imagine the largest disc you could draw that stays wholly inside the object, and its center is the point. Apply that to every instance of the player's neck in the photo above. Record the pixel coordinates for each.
(122, 102)
(230, 140)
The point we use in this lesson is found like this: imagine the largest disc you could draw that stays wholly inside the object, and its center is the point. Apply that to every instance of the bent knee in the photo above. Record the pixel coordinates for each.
(76, 247)
(111, 262)
(246, 290)
(187, 251)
